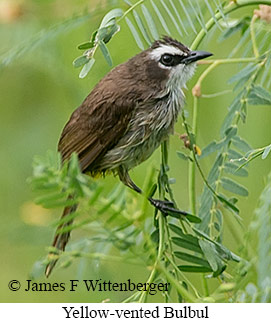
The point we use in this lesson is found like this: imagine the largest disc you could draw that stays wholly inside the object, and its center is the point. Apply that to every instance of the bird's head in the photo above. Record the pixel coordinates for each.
(174, 60)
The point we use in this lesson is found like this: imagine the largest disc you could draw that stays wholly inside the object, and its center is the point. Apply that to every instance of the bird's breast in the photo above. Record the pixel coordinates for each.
(150, 125)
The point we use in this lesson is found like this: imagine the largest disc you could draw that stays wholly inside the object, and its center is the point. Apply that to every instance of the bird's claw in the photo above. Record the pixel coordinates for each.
(167, 207)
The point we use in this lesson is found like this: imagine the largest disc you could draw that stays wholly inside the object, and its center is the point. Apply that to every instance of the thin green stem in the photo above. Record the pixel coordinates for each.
(195, 158)
(229, 60)
(205, 286)
(173, 263)
(130, 9)
(160, 252)
(253, 37)
(192, 168)
(133, 297)
(161, 220)
(232, 6)
(180, 289)
(216, 94)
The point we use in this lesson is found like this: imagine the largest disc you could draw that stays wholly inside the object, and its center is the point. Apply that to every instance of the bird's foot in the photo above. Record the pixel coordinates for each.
(167, 207)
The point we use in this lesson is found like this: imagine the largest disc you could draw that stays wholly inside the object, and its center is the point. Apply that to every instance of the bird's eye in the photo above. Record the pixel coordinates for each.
(167, 60)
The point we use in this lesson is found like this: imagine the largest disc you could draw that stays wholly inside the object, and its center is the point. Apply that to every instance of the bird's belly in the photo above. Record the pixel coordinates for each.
(150, 126)
(131, 154)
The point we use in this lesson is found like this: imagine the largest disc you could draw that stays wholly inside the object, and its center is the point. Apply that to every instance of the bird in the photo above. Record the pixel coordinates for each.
(126, 117)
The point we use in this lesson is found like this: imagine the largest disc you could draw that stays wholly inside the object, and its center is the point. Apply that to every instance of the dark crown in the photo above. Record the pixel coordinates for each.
(166, 40)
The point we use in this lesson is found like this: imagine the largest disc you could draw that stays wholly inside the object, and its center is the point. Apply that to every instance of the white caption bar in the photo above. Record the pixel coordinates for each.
(94, 312)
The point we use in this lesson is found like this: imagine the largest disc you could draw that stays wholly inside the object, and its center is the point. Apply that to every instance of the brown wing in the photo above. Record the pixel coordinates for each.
(102, 119)
(97, 125)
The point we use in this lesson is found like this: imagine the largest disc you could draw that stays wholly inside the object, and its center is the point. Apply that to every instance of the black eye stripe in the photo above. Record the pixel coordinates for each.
(171, 60)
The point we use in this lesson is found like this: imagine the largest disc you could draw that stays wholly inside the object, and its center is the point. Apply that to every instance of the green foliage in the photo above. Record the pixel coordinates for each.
(178, 244)
(264, 246)
(260, 291)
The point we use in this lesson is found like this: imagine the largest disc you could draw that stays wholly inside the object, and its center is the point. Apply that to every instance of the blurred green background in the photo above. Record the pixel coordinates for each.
(40, 88)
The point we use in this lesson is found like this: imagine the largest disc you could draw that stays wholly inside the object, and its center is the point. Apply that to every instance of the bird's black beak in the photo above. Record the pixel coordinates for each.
(194, 56)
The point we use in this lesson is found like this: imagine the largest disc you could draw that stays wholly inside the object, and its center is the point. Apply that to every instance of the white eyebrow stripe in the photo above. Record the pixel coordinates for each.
(165, 49)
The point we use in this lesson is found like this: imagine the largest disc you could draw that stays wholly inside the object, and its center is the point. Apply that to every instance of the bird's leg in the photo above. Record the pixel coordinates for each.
(126, 179)
(165, 207)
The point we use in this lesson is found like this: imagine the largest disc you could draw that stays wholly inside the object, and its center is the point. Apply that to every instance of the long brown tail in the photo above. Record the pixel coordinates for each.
(60, 239)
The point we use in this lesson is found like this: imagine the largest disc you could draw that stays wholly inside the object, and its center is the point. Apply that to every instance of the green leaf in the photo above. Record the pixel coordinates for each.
(93, 36)
(152, 190)
(128, 2)
(101, 34)
(206, 203)
(192, 218)
(155, 236)
(111, 15)
(141, 27)
(176, 11)
(222, 250)
(87, 67)
(176, 230)
(232, 168)
(232, 186)
(236, 25)
(234, 155)
(150, 22)
(209, 149)
(171, 17)
(67, 218)
(228, 203)
(209, 251)
(230, 132)
(266, 152)
(243, 111)
(106, 33)
(112, 30)
(160, 16)
(263, 219)
(198, 15)
(80, 61)
(52, 197)
(259, 96)
(134, 33)
(241, 144)
(212, 13)
(183, 156)
(214, 172)
(74, 168)
(188, 16)
(178, 215)
(189, 258)
(187, 243)
(86, 45)
(105, 53)
(207, 198)
(195, 269)
(234, 108)
(38, 269)
(245, 73)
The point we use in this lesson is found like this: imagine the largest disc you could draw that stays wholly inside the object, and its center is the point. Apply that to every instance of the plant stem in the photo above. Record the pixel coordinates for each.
(130, 9)
(229, 60)
(180, 289)
(161, 219)
(232, 6)
(192, 168)
(253, 37)
(173, 263)
(205, 286)
(160, 252)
